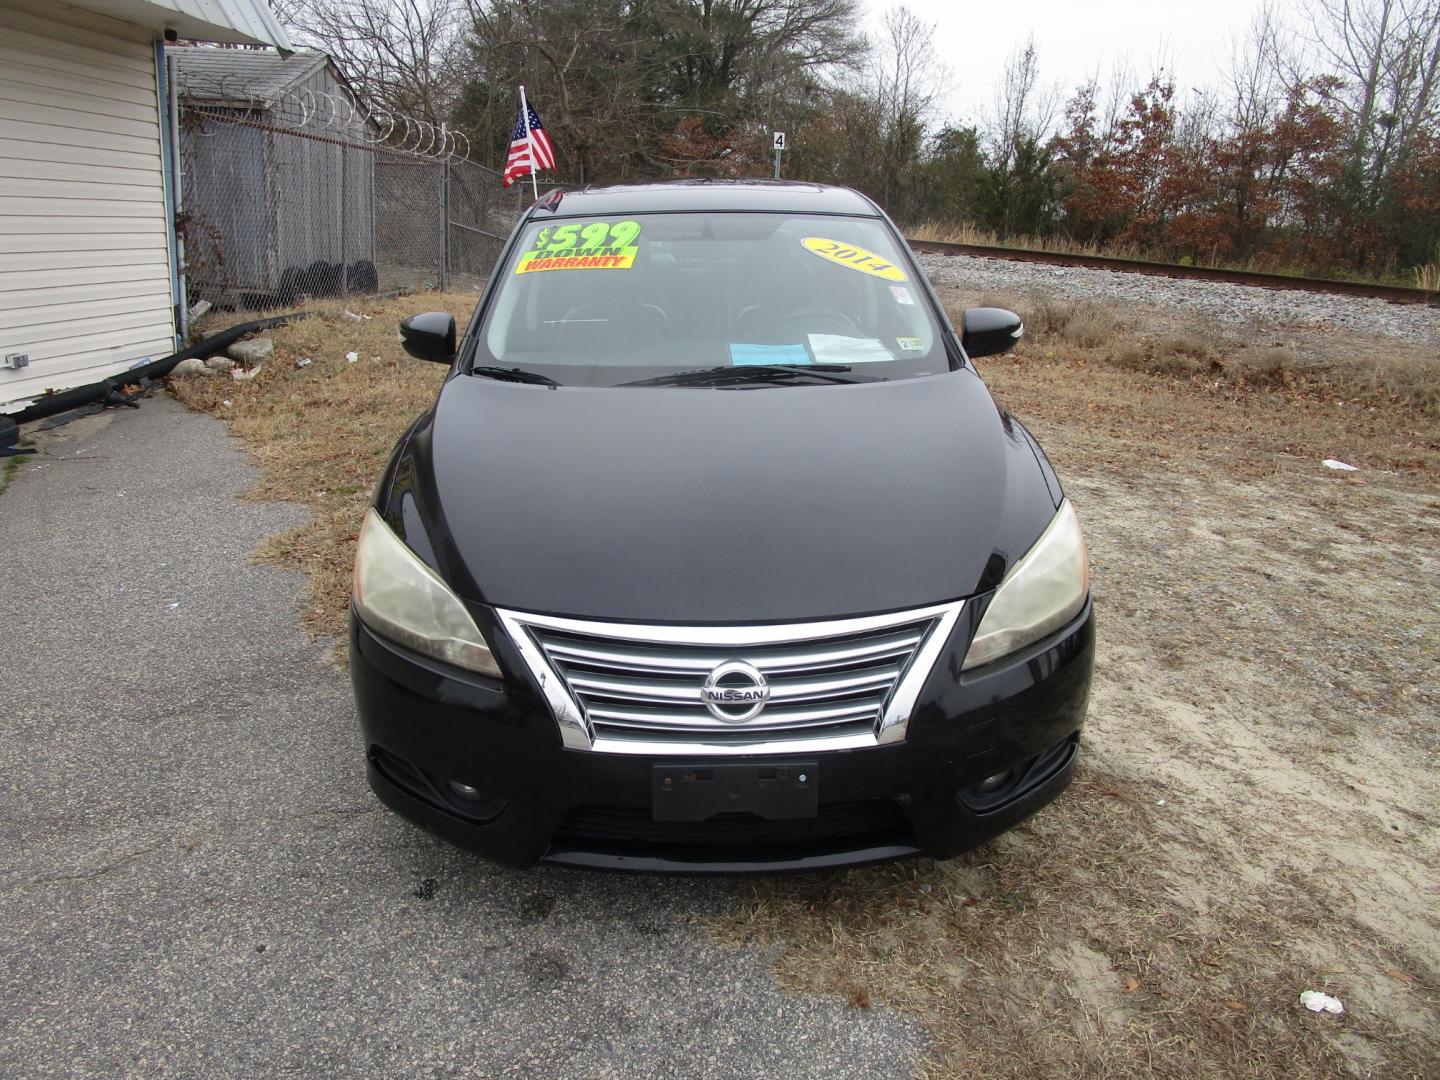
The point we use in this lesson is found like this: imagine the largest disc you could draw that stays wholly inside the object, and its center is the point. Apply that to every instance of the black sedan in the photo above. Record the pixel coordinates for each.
(715, 554)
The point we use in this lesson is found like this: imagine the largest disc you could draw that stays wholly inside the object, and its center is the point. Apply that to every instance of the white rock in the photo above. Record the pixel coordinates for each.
(220, 363)
(193, 366)
(1332, 463)
(253, 352)
(351, 357)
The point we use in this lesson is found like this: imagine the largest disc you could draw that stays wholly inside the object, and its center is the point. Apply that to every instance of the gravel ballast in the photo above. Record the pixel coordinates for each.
(1227, 303)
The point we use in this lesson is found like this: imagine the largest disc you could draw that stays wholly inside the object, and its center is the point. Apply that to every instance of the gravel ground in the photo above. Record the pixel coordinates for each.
(1233, 304)
(197, 881)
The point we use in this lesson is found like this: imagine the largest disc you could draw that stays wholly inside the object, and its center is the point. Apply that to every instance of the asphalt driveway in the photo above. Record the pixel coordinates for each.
(197, 882)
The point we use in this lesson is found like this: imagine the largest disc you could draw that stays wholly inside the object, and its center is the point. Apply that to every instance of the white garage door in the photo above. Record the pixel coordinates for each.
(84, 257)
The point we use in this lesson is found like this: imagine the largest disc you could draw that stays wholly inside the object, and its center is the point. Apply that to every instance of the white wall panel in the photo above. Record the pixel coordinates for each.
(84, 256)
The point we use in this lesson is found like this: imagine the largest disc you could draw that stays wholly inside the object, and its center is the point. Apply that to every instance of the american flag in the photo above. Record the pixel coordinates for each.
(519, 162)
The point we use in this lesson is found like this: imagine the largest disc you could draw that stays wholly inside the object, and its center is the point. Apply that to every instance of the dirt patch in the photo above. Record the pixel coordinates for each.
(1257, 808)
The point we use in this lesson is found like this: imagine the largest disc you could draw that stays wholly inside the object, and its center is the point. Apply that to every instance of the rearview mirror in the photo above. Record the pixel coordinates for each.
(986, 331)
(429, 336)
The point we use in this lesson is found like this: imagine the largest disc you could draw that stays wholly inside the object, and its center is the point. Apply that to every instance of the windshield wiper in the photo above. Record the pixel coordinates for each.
(727, 375)
(514, 374)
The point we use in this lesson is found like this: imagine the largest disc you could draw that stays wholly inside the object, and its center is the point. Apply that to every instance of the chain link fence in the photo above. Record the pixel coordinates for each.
(272, 214)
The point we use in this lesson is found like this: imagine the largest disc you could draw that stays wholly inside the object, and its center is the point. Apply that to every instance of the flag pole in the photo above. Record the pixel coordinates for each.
(529, 142)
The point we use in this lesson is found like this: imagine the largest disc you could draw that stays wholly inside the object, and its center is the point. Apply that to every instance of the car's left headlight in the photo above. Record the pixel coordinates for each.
(398, 596)
(1040, 594)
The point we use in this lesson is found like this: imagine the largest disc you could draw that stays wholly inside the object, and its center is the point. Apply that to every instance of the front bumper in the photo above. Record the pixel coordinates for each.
(425, 724)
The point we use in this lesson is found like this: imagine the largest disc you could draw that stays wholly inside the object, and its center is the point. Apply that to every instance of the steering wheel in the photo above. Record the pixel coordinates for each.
(828, 319)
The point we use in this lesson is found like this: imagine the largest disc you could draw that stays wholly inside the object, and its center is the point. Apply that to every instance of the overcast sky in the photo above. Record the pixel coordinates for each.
(1075, 39)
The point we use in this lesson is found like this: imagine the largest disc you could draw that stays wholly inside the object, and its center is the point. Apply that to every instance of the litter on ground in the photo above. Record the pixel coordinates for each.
(1317, 1001)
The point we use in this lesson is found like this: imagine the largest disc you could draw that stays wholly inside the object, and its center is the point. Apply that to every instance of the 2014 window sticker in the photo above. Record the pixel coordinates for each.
(853, 257)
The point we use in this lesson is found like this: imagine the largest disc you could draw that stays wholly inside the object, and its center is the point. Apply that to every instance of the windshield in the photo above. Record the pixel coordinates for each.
(709, 299)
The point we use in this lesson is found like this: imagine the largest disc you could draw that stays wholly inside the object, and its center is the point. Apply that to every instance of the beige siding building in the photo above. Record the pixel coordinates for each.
(88, 274)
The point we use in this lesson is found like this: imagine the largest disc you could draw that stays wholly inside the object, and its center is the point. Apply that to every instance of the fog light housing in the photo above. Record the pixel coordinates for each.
(993, 783)
(454, 796)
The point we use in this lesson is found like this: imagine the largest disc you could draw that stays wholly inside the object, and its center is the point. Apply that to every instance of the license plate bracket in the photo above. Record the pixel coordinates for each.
(779, 791)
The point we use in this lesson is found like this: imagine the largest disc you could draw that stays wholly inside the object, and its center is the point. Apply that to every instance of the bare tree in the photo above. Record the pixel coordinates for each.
(1260, 72)
(625, 79)
(909, 74)
(401, 55)
(714, 47)
(579, 55)
(1387, 56)
(1024, 111)
(899, 90)
(288, 12)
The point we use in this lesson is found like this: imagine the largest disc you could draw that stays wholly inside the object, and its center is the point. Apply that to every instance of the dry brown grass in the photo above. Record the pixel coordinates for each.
(1085, 324)
(952, 232)
(1399, 378)
(1185, 355)
(321, 433)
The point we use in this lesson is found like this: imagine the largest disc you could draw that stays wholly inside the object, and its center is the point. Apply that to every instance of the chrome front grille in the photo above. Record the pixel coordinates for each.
(625, 688)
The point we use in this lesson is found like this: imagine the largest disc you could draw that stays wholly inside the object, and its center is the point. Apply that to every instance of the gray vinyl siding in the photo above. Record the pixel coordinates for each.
(84, 244)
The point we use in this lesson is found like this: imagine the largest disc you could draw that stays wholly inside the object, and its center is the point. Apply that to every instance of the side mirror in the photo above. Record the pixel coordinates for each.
(429, 336)
(986, 331)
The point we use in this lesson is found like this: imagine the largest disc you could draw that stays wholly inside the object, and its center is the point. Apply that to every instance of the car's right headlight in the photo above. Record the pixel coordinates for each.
(1041, 593)
(401, 598)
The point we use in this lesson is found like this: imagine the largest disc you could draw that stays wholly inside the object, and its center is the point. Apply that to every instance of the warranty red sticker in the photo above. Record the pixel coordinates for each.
(593, 245)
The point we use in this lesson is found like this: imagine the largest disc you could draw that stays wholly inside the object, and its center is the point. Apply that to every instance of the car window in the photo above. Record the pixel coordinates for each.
(606, 301)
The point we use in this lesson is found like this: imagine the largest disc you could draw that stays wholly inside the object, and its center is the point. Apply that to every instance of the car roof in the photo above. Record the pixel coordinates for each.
(713, 195)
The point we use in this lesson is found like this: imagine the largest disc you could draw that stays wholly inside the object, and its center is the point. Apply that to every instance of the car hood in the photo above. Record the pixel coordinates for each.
(709, 506)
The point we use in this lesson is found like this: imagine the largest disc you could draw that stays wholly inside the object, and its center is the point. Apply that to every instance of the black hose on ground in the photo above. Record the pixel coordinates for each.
(109, 390)
(9, 435)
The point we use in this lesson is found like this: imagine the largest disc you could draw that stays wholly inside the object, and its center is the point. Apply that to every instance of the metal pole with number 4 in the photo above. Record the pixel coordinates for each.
(779, 149)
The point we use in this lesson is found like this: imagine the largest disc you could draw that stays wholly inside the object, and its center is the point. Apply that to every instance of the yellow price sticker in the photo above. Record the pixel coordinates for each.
(853, 258)
(595, 245)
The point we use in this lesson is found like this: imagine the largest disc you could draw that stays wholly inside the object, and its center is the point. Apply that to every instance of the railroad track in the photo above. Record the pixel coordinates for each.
(1395, 294)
